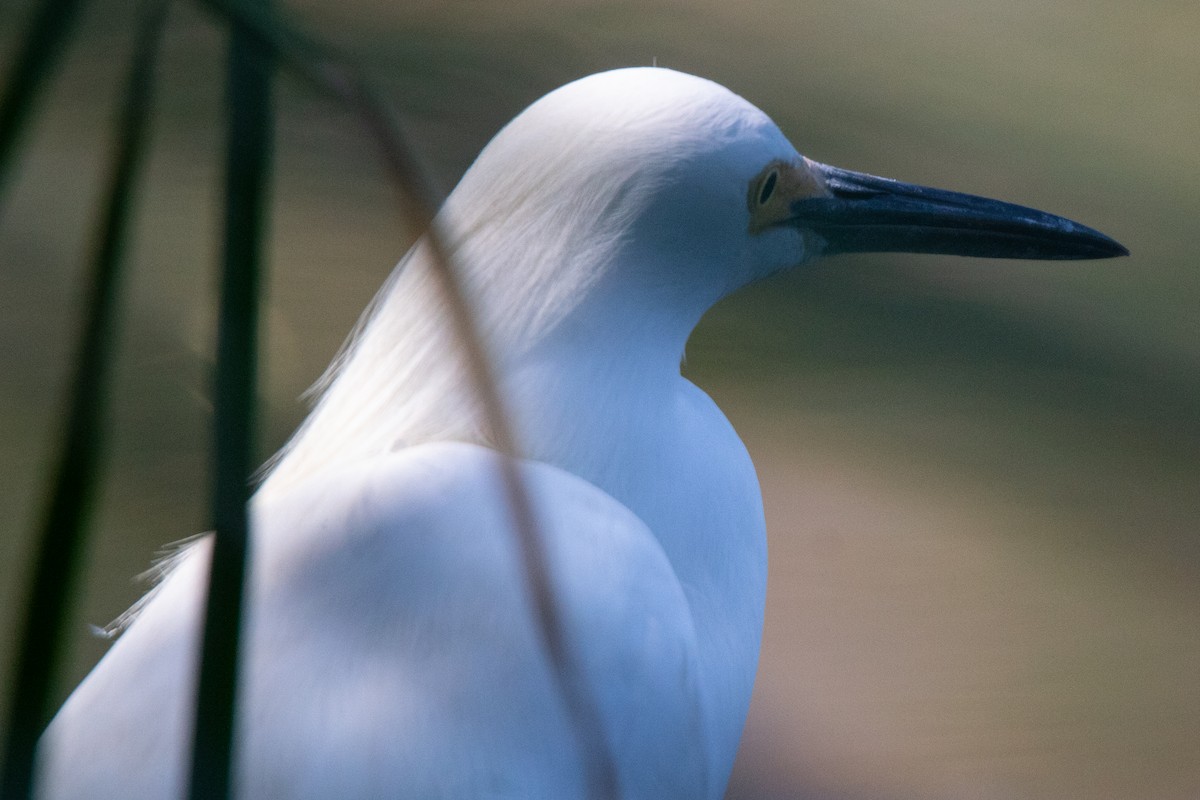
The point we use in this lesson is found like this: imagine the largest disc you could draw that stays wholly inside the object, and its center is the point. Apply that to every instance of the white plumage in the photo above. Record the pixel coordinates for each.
(390, 648)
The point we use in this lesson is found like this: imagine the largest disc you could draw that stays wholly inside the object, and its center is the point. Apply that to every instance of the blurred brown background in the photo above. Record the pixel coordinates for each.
(982, 479)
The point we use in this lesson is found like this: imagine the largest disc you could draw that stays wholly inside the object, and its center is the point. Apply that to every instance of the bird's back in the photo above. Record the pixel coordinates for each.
(391, 649)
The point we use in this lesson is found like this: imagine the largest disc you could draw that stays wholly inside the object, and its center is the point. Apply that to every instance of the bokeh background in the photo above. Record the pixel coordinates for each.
(982, 479)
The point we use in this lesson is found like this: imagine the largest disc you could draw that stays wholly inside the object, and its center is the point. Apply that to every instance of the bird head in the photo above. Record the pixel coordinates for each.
(666, 191)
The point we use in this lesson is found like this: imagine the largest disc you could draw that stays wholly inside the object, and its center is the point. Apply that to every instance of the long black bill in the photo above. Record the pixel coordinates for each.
(870, 214)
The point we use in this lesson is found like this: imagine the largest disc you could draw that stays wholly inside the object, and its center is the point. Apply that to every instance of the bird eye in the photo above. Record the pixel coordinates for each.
(768, 186)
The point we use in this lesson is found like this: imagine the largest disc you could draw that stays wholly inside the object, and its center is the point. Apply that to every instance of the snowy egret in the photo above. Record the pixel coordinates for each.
(390, 647)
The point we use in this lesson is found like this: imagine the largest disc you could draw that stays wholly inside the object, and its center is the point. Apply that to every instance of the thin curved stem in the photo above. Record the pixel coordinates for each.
(337, 78)
(76, 477)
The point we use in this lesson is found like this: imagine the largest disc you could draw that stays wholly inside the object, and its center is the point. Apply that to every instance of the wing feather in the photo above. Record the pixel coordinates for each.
(391, 649)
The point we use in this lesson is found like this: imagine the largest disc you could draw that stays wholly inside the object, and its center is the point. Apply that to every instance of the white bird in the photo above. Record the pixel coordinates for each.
(390, 643)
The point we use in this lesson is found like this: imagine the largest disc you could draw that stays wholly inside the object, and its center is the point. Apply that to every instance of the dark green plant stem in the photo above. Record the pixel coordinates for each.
(41, 47)
(337, 78)
(248, 170)
(75, 479)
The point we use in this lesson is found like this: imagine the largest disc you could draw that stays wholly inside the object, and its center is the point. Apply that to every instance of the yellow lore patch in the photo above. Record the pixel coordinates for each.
(781, 183)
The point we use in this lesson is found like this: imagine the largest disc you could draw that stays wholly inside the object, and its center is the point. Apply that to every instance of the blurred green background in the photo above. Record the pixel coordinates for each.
(982, 479)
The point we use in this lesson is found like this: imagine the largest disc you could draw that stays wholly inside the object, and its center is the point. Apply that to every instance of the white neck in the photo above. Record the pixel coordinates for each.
(588, 380)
